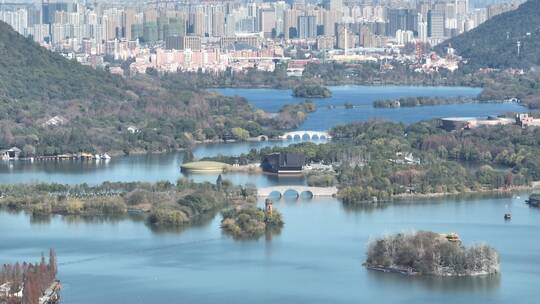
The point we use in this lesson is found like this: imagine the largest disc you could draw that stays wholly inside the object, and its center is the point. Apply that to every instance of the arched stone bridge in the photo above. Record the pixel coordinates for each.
(305, 135)
(299, 190)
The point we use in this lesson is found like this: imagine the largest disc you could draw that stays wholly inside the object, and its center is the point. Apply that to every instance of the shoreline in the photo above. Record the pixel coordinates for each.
(343, 84)
(411, 198)
(141, 209)
(119, 153)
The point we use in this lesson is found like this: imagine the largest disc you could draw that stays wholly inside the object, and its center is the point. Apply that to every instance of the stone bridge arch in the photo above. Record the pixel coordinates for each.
(300, 191)
(306, 135)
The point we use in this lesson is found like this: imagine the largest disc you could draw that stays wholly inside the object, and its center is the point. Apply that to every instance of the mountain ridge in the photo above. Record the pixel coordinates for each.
(493, 44)
(29, 71)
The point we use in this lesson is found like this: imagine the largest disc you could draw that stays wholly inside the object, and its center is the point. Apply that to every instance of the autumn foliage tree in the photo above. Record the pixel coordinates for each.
(33, 279)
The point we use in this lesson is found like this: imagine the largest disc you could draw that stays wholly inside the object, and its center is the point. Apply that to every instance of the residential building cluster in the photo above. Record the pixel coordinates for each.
(215, 35)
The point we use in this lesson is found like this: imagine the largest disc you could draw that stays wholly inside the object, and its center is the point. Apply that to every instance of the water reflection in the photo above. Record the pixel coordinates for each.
(71, 219)
(40, 219)
(242, 178)
(200, 221)
(365, 207)
(462, 198)
(489, 283)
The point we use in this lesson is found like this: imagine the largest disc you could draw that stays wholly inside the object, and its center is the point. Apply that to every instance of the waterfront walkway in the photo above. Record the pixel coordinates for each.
(298, 190)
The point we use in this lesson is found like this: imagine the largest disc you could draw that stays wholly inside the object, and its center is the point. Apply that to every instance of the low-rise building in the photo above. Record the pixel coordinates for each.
(283, 163)
(12, 153)
(326, 42)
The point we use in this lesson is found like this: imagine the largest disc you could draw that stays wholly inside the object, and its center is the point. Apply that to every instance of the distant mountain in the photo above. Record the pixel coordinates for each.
(493, 44)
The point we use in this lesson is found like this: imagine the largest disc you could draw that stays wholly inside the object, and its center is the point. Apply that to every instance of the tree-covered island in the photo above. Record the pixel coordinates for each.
(306, 90)
(249, 222)
(420, 101)
(429, 253)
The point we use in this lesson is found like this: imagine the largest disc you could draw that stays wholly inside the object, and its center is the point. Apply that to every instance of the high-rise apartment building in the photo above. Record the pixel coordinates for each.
(199, 24)
(307, 27)
(330, 19)
(218, 23)
(267, 22)
(401, 19)
(345, 38)
(128, 20)
(435, 20)
(290, 23)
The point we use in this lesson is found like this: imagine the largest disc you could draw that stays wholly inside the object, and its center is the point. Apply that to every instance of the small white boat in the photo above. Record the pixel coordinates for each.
(97, 156)
(105, 156)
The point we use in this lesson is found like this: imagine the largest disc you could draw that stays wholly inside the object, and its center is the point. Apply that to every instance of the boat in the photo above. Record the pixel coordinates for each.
(105, 156)
(507, 216)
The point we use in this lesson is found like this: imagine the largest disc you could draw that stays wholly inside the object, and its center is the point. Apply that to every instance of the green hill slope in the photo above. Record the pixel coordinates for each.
(96, 108)
(29, 71)
(493, 44)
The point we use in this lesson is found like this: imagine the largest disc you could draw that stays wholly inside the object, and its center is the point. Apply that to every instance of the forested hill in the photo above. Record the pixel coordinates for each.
(493, 44)
(30, 71)
(50, 105)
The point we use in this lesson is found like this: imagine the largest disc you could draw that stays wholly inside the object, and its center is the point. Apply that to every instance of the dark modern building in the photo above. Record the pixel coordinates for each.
(48, 10)
(283, 163)
(401, 19)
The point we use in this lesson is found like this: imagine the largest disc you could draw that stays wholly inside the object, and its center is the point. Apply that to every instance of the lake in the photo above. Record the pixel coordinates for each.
(317, 258)
(362, 97)
(157, 167)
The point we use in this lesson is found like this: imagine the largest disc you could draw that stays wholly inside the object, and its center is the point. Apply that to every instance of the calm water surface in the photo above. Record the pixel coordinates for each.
(362, 97)
(316, 259)
(147, 167)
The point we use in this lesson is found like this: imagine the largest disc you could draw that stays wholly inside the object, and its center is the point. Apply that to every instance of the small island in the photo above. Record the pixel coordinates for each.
(420, 101)
(311, 91)
(249, 222)
(430, 253)
(163, 204)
